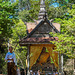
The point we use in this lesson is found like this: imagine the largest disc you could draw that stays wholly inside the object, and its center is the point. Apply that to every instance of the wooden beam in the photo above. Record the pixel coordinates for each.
(50, 45)
(28, 43)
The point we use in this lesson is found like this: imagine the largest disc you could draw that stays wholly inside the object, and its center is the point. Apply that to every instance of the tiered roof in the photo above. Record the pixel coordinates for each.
(38, 33)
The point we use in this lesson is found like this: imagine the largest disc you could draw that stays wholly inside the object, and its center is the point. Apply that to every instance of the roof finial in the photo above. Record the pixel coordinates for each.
(42, 12)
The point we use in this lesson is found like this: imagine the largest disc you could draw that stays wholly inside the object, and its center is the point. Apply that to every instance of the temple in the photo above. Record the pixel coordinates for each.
(40, 54)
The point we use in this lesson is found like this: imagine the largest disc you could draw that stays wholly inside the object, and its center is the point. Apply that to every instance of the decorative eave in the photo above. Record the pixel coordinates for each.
(40, 40)
(29, 43)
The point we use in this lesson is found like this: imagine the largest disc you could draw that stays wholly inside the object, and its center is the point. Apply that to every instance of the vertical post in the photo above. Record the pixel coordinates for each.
(28, 72)
(59, 64)
(62, 64)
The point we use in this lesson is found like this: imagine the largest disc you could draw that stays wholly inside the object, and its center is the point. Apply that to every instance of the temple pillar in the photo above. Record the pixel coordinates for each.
(28, 60)
(61, 64)
(62, 73)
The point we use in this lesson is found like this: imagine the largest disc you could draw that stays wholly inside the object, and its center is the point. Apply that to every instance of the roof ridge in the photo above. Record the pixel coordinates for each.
(50, 23)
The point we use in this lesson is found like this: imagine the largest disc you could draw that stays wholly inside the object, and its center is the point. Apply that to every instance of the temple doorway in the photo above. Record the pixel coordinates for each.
(44, 63)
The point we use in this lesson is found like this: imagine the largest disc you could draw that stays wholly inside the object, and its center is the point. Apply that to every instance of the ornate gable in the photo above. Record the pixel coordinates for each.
(43, 29)
(38, 33)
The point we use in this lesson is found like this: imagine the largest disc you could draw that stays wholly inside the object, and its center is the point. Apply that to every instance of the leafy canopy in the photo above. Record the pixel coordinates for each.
(8, 13)
(66, 37)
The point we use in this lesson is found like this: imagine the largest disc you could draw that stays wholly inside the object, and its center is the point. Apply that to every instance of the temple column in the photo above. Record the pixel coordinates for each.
(28, 60)
(59, 64)
(62, 64)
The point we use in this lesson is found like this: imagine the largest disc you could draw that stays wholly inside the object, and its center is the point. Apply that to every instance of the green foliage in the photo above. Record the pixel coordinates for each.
(51, 60)
(65, 2)
(66, 42)
(54, 12)
(19, 31)
(25, 15)
(8, 14)
(7, 10)
(24, 4)
(2, 62)
(30, 14)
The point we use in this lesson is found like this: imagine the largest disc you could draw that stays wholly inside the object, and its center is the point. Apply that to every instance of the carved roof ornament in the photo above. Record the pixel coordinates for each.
(42, 12)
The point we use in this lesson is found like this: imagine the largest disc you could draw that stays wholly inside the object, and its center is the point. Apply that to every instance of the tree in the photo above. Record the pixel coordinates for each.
(24, 4)
(32, 13)
(65, 1)
(7, 15)
(54, 12)
(19, 31)
(66, 40)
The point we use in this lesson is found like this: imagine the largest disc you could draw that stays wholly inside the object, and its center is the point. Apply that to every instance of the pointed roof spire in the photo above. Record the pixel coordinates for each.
(42, 12)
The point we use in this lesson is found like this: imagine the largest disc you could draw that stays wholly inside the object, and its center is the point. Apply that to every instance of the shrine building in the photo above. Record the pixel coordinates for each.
(40, 54)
